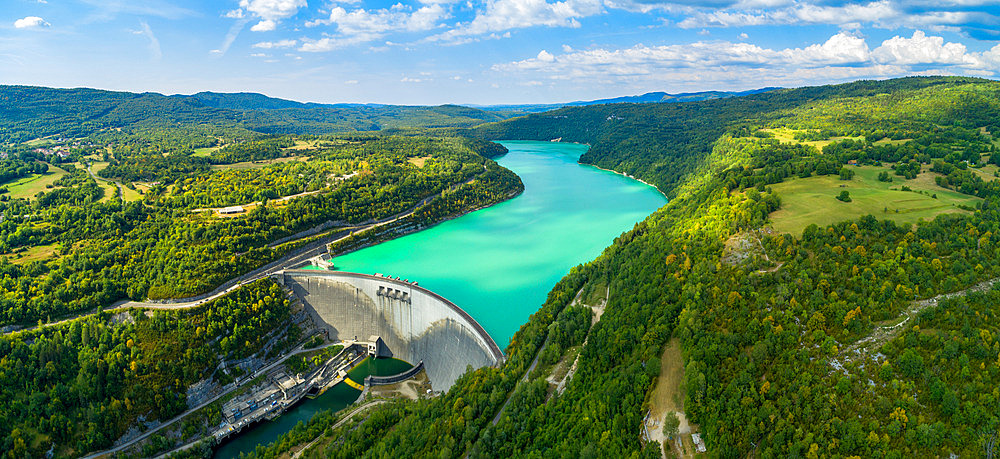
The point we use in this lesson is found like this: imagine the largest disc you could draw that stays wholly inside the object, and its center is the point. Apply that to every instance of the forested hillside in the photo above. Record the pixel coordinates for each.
(71, 248)
(827, 342)
(28, 112)
(139, 214)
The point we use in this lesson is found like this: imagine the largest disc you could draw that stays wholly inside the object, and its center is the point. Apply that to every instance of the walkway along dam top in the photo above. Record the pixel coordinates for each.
(415, 324)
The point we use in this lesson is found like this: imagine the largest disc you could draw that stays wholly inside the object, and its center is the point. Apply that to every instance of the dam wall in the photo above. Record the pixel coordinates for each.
(414, 323)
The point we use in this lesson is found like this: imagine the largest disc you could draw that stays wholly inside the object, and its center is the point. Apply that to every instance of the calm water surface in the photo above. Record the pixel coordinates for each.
(497, 263)
(335, 398)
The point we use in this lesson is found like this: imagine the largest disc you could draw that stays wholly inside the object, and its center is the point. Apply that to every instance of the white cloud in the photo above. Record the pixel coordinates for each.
(397, 18)
(234, 31)
(271, 12)
(881, 13)
(265, 25)
(275, 44)
(330, 43)
(234, 14)
(502, 15)
(841, 57)
(921, 49)
(30, 22)
(842, 48)
(360, 26)
(154, 45)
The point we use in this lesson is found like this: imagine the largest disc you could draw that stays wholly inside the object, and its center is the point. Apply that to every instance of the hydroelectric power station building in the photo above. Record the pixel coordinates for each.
(414, 323)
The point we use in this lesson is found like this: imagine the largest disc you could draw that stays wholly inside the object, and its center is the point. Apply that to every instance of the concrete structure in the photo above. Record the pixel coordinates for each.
(231, 210)
(322, 261)
(413, 323)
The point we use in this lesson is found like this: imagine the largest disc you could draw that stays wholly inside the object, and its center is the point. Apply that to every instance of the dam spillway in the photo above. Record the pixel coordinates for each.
(414, 323)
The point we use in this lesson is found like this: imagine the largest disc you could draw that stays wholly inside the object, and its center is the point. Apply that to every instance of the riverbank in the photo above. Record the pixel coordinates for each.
(628, 176)
(309, 246)
(499, 263)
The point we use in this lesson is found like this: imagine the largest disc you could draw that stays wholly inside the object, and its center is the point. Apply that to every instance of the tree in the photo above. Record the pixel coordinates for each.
(844, 196)
(670, 425)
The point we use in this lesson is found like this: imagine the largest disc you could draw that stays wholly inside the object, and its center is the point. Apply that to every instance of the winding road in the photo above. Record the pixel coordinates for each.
(290, 260)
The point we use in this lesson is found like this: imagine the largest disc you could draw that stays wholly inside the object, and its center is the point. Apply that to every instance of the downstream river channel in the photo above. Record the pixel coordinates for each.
(499, 263)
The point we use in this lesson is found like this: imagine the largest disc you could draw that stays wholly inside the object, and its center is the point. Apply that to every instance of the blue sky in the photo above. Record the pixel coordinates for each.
(487, 52)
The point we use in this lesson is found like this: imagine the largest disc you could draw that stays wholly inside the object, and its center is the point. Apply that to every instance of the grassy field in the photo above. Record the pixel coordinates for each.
(36, 253)
(206, 151)
(785, 135)
(130, 195)
(668, 396)
(419, 162)
(257, 164)
(813, 200)
(110, 189)
(303, 145)
(98, 166)
(28, 187)
(986, 172)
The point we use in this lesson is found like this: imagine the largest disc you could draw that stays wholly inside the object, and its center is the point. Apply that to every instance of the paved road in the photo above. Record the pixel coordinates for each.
(289, 260)
(97, 179)
(152, 431)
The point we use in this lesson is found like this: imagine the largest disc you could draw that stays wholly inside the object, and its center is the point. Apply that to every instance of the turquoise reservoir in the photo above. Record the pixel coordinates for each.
(499, 263)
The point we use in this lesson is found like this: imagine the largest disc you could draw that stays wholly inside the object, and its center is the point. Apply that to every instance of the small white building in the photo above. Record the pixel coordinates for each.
(377, 348)
(231, 210)
(698, 444)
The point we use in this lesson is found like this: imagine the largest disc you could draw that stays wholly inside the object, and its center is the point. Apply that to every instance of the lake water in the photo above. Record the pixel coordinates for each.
(499, 263)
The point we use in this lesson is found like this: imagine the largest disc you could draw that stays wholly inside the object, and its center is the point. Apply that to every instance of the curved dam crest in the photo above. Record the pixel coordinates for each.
(415, 324)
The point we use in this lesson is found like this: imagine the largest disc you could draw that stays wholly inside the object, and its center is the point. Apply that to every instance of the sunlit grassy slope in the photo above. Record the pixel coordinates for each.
(813, 199)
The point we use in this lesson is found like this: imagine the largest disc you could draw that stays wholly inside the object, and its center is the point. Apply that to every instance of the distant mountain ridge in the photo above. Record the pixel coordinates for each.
(647, 98)
(29, 112)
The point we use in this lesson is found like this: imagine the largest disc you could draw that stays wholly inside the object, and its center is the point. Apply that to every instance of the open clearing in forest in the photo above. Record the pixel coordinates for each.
(28, 187)
(205, 151)
(668, 396)
(36, 253)
(785, 135)
(257, 164)
(813, 199)
(419, 162)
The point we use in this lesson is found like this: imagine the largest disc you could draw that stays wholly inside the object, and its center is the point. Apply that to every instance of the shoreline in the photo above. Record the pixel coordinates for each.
(629, 176)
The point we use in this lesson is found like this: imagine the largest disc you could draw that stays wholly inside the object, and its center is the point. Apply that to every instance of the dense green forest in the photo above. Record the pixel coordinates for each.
(105, 250)
(28, 112)
(79, 386)
(131, 217)
(819, 344)
(829, 342)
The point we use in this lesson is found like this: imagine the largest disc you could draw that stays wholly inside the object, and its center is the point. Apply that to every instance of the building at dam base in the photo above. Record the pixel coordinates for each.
(415, 324)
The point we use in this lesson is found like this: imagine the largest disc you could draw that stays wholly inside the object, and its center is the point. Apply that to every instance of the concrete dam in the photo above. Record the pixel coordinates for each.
(414, 323)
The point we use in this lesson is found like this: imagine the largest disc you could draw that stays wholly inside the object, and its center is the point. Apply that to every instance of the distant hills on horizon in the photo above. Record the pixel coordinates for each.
(29, 112)
(647, 98)
(257, 101)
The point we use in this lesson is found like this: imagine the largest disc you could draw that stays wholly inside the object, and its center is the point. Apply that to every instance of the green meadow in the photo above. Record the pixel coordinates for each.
(813, 199)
